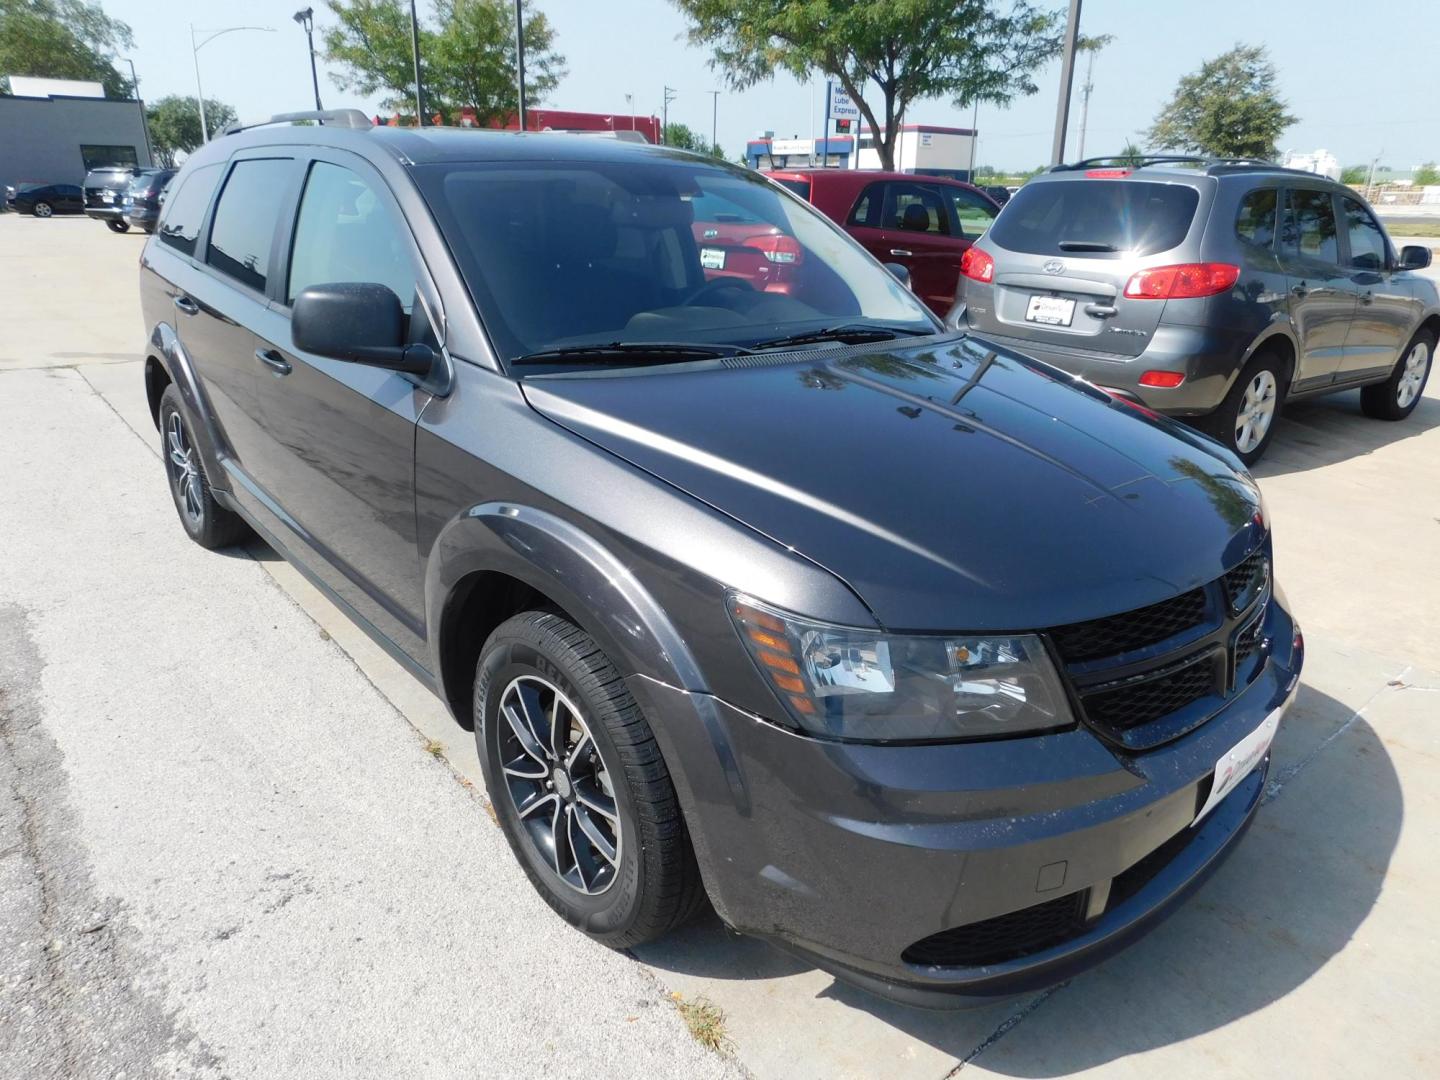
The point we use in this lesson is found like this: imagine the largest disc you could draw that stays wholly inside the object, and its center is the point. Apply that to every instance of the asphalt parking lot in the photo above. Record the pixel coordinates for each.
(237, 840)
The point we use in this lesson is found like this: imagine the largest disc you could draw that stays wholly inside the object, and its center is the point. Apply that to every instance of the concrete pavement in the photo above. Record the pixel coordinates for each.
(231, 786)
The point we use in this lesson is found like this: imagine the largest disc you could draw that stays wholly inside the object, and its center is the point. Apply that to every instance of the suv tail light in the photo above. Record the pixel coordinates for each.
(778, 249)
(1181, 281)
(1106, 174)
(977, 265)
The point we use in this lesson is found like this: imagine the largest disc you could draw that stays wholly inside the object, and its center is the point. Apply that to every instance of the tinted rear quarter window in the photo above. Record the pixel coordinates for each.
(1255, 221)
(1096, 218)
(244, 227)
(185, 208)
(799, 187)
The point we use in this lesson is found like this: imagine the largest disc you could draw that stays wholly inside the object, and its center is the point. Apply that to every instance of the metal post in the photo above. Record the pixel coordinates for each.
(825, 125)
(630, 104)
(520, 58)
(306, 19)
(974, 136)
(669, 96)
(1067, 75)
(415, 56)
(144, 122)
(1370, 180)
(714, 119)
(1085, 101)
(199, 90)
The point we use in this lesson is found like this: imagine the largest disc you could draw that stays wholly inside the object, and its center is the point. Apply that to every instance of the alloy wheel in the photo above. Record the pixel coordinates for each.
(1257, 410)
(43, 210)
(184, 469)
(559, 784)
(1412, 378)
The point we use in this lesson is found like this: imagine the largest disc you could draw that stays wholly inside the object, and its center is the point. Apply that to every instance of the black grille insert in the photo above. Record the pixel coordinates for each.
(1244, 582)
(1005, 937)
(1139, 703)
(1131, 629)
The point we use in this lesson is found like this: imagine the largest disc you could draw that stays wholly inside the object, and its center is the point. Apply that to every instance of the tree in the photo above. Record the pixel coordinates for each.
(1426, 175)
(1354, 174)
(175, 125)
(1229, 108)
(467, 57)
(63, 39)
(902, 51)
(684, 137)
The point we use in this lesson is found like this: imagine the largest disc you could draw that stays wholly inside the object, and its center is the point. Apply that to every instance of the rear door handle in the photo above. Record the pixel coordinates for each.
(188, 306)
(901, 252)
(273, 360)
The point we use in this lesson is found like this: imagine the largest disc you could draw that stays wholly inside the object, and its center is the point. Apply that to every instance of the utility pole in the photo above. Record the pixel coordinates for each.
(1370, 180)
(1085, 100)
(669, 96)
(144, 123)
(415, 56)
(520, 58)
(1067, 76)
(714, 117)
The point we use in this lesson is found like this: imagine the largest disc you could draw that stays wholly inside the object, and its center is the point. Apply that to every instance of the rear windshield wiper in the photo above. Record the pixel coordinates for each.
(1085, 245)
(850, 334)
(634, 352)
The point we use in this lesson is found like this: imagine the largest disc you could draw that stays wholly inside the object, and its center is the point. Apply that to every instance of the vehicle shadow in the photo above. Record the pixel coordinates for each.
(1292, 896)
(1324, 431)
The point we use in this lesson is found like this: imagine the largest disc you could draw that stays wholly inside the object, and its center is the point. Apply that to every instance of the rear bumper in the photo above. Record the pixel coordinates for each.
(1208, 357)
(104, 213)
(850, 854)
(142, 217)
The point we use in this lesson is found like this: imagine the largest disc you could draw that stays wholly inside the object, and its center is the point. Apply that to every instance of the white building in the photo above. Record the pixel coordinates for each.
(29, 86)
(924, 148)
(1320, 162)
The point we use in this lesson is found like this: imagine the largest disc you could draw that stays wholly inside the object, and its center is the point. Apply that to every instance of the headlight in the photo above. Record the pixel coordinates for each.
(866, 685)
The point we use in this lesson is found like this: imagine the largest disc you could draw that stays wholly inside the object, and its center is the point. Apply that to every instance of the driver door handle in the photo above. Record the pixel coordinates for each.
(273, 360)
(188, 306)
(902, 253)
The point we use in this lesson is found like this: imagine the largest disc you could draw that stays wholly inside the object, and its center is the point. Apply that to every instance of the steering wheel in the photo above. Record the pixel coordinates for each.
(716, 286)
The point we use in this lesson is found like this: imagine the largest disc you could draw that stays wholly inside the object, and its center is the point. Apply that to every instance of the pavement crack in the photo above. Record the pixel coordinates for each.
(1006, 1026)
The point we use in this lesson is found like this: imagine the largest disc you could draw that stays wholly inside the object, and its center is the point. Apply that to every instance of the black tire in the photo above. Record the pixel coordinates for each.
(653, 884)
(1383, 400)
(118, 226)
(1227, 423)
(207, 522)
(42, 210)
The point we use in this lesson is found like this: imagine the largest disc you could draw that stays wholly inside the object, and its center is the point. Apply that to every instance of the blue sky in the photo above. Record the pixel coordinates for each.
(1343, 68)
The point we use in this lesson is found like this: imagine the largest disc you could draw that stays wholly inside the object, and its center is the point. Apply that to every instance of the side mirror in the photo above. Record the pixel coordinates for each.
(1414, 257)
(901, 272)
(356, 321)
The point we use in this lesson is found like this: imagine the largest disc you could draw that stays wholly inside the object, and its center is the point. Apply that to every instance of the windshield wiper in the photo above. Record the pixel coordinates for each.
(850, 334)
(634, 352)
(1086, 245)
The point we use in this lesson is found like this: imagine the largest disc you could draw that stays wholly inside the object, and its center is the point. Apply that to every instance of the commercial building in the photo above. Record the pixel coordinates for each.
(924, 148)
(58, 138)
(768, 152)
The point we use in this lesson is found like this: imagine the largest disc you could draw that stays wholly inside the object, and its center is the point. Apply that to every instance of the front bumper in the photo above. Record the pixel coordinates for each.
(850, 854)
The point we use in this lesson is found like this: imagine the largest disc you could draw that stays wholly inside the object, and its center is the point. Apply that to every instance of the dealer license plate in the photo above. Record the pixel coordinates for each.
(1050, 310)
(1241, 760)
(712, 258)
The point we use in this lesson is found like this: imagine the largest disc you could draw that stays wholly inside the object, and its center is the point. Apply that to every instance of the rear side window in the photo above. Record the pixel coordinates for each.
(970, 213)
(1096, 218)
(1309, 229)
(346, 233)
(1255, 222)
(1367, 242)
(185, 208)
(799, 187)
(867, 207)
(244, 227)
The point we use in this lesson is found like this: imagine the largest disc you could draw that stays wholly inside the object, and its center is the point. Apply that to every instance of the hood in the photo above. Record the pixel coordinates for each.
(953, 486)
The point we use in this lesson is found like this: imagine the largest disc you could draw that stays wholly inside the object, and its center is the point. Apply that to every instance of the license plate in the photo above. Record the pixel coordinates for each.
(1241, 760)
(107, 197)
(712, 258)
(1050, 310)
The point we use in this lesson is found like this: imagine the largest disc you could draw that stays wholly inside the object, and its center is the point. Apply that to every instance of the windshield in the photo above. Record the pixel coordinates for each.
(566, 254)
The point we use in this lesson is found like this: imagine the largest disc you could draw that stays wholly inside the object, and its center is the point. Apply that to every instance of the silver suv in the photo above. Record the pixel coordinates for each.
(1208, 290)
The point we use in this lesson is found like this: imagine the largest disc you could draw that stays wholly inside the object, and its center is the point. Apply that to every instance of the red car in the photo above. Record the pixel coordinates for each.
(925, 223)
(735, 243)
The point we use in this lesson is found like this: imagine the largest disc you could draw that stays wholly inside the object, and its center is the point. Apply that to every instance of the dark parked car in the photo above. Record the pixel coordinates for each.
(43, 200)
(947, 670)
(105, 190)
(924, 223)
(998, 192)
(140, 204)
(1209, 290)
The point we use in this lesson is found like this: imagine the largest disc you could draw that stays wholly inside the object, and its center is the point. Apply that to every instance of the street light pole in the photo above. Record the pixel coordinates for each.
(415, 56)
(520, 58)
(306, 19)
(195, 48)
(714, 118)
(1067, 76)
(144, 123)
(669, 96)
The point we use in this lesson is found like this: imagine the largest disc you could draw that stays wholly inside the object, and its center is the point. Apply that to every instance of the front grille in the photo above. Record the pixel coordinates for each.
(1130, 630)
(1139, 703)
(1244, 582)
(1005, 937)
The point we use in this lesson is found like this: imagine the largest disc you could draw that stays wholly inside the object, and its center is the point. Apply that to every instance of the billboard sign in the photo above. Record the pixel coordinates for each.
(842, 106)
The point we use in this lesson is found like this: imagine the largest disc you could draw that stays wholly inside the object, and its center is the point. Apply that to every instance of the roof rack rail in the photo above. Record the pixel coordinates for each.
(345, 118)
(1140, 161)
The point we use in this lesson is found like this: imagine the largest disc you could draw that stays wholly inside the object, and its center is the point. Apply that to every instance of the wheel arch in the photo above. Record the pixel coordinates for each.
(167, 364)
(497, 559)
(1280, 342)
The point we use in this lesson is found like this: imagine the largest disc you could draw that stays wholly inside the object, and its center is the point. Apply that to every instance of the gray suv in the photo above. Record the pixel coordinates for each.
(1213, 291)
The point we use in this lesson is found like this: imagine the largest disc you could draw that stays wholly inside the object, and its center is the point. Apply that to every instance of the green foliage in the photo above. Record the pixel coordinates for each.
(175, 125)
(467, 55)
(1354, 174)
(63, 39)
(684, 137)
(901, 51)
(1229, 108)
(1426, 175)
